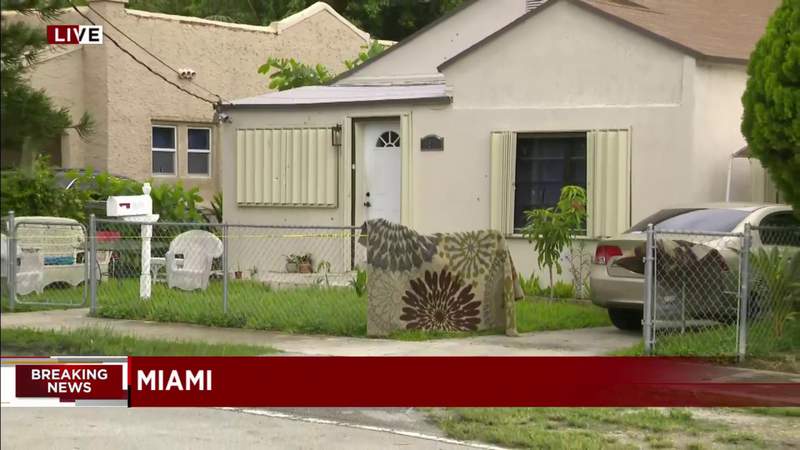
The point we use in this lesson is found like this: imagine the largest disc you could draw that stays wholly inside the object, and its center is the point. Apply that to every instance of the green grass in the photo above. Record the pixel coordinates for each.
(741, 439)
(774, 412)
(66, 297)
(310, 310)
(94, 341)
(765, 350)
(542, 315)
(570, 428)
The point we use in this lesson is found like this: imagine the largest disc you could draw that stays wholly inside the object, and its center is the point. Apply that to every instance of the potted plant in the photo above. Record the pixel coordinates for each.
(238, 273)
(305, 264)
(292, 263)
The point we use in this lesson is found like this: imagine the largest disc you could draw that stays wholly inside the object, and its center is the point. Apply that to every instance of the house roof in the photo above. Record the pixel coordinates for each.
(405, 41)
(719, 30)
(337, 95)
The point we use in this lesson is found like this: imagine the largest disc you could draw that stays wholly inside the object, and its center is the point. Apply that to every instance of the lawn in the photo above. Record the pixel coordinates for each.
(309, 310)
(94, 341)
(591, 428)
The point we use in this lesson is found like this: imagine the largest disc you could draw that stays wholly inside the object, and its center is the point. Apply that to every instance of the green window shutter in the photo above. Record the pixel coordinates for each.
(608, 182)
(286, 167)
(503, 155)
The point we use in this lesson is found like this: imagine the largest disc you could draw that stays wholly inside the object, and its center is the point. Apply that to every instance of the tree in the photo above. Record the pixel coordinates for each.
(28, 117)
(290, 74)
(384, 19)
(372, 50)
(771, 122)
(551, 230)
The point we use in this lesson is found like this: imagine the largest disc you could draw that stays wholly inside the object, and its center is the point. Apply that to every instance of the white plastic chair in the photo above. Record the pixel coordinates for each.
(198, 248)
(29, 271)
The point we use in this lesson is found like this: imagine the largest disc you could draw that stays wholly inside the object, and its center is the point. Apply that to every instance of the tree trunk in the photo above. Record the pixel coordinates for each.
(550, 268)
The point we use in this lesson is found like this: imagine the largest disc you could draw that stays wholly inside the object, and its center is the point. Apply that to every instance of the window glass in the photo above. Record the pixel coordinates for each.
(717, 220)
(198, 163)
(544, 165)
(781, 228)
(163, 137)
(163, 162)
(199, 139)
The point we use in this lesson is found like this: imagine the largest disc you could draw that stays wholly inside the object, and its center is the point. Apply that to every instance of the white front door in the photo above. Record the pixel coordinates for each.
(382, 164)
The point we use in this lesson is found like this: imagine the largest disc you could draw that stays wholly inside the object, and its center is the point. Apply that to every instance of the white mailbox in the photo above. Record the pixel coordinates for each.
(129, 205)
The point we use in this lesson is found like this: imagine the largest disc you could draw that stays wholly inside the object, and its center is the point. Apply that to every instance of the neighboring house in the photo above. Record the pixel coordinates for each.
(145, 127)
(491, 110)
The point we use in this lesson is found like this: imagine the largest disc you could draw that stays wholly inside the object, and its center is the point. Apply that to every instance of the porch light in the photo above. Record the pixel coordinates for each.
(336, 135)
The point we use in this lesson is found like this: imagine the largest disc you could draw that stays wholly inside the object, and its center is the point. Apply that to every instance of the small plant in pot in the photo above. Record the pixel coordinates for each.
(292, 263)
(238, 272)
(305, 264)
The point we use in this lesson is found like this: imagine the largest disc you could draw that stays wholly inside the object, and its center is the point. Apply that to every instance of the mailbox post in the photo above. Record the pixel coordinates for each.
(137, 208)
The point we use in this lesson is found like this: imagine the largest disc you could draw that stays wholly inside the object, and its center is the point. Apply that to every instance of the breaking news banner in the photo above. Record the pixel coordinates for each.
(403, 381)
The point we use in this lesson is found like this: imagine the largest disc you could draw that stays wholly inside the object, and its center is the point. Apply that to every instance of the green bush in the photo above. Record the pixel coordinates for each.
(531, 286)
(38, 194)
(359, 283)
(563, 290)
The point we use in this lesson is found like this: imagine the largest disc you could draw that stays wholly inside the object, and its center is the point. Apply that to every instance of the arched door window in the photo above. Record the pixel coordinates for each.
(388, 139)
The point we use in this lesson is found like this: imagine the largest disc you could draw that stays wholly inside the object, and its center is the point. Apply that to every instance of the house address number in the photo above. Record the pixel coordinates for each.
(432, 143)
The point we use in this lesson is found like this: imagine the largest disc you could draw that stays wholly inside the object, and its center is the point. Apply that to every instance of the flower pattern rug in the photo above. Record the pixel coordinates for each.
(441, 282)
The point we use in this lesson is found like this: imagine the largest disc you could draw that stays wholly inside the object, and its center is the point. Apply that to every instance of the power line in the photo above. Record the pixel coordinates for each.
(142, 63)
(148, 51)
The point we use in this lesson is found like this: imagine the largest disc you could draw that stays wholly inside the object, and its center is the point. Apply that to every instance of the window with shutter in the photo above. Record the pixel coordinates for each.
(529, 170)
(286, 167)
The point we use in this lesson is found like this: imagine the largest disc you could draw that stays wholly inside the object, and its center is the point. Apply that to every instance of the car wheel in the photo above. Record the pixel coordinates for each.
(625, 319)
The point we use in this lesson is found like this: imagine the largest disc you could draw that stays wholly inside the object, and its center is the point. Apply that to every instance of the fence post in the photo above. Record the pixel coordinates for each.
(744, 293)
(649, 284)
(92, 261)
(12, 261)
(225, 230)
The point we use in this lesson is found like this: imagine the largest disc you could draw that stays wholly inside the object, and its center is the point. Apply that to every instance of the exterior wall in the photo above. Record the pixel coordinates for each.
(718, 119)
(417, 59)
(125, 99)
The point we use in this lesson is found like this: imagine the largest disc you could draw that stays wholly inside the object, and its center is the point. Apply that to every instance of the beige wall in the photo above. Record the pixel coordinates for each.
(718, 119)
(417, 60)
(125, 98)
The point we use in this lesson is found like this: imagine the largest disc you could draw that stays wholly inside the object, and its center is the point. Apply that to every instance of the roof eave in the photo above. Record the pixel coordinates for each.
(426, 100)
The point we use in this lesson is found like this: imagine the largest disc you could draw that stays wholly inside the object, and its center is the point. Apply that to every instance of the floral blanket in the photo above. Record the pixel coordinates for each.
(440, 282)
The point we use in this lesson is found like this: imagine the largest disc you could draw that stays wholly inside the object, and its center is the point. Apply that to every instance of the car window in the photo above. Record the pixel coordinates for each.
(717, 220)
(782, 228)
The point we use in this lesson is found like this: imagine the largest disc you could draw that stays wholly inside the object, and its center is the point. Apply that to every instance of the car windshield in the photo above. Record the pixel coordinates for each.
(697, 219)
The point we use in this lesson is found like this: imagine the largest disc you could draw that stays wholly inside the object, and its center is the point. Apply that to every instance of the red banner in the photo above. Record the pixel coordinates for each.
(281, 381)
(70, 382)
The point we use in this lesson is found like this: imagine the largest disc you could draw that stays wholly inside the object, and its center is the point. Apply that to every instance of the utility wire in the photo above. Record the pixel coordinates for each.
(148, 51)
(142, 63)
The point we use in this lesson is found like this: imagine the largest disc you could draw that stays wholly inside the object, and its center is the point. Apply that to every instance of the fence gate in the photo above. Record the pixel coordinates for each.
(44, 262)
(721, 294)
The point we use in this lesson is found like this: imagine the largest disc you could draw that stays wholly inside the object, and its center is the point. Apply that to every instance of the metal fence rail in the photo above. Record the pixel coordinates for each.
(720, 294)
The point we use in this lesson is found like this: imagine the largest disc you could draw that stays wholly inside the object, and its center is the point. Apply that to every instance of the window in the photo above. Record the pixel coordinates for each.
(198, 156)
(164, 149)
(714, 220)
(781, 228)
(388, 139)
(544, 165)
(528, 171)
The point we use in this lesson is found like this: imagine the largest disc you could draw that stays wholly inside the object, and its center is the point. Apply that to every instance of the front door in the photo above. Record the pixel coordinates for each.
(382, 164)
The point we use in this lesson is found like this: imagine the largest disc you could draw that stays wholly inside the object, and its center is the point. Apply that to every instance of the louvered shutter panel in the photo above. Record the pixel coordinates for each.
(286, 167)
(503, 157)
(608, 183)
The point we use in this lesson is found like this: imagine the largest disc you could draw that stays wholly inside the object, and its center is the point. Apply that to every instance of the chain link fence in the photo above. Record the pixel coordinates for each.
(722, 294)
(44, 262)
(264, 277)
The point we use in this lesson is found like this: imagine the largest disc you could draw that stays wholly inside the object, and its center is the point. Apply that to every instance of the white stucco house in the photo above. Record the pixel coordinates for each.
(490, 110)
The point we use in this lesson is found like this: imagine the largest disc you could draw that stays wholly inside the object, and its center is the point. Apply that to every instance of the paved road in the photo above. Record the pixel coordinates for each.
(78, 428)
(583, 342)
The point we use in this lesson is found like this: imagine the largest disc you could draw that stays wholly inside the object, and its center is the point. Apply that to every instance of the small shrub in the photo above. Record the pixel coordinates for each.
(359, 283)
(563, 290)
(531, 286)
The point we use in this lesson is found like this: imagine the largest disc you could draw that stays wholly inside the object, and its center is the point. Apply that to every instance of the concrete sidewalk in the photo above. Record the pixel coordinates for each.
(582, 342)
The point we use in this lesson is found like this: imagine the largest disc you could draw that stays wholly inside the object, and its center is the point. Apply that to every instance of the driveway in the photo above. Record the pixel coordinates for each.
(581, 342)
